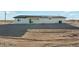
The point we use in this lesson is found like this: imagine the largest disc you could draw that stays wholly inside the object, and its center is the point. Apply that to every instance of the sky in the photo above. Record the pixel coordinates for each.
(68, 14)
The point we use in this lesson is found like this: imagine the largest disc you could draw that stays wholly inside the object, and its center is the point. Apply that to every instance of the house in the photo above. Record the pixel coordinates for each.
(28, 19)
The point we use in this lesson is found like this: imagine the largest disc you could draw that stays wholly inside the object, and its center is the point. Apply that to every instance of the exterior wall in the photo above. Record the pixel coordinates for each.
(39, 20)
(22, 21)
(52, 20)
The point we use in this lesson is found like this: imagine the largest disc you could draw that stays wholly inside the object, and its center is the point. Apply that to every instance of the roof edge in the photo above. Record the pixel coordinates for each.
(25, 16)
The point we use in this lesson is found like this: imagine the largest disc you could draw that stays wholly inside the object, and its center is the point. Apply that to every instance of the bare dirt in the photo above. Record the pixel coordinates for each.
(37, 39)
(42, 38)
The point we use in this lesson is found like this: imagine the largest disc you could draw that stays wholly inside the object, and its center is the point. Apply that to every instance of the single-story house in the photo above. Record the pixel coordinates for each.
(28, 19)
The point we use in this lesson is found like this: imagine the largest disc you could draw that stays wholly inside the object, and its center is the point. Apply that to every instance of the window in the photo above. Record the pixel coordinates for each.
(18, 20)
(50, 18)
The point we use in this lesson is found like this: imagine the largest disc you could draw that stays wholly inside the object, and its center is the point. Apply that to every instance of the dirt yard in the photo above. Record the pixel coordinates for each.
(53, 37)
(50, 38)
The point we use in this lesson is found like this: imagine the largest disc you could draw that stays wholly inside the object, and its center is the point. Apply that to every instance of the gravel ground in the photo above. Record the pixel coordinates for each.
(18, 30)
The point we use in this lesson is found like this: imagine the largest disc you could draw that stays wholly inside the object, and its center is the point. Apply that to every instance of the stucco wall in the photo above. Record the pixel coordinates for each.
(38, 20)
(22, 21)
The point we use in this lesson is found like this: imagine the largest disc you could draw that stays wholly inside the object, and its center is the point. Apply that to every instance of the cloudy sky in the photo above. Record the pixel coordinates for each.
(68, 14)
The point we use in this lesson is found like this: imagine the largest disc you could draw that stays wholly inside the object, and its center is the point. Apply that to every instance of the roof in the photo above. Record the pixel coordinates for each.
(25, 16)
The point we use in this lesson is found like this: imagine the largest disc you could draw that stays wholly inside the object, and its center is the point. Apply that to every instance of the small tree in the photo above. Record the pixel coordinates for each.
(60, 22)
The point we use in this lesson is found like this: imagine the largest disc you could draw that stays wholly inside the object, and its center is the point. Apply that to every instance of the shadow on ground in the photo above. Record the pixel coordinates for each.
(17, 30)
